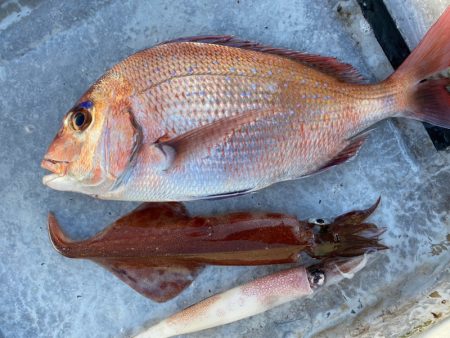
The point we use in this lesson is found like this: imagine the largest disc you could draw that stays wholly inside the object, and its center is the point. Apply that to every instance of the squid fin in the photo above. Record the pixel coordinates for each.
(157, 283)
(173, 210)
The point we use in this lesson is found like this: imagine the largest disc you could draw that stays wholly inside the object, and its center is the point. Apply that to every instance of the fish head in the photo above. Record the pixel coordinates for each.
(96, 141)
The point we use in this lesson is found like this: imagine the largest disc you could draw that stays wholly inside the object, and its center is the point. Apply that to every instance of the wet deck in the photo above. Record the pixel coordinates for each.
(50, 51)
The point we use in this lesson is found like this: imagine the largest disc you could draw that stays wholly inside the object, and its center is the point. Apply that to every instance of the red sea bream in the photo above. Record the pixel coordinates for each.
(209, 117)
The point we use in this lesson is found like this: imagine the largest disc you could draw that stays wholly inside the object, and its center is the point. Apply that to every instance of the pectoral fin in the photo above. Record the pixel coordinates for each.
(163, 155)
(204, 138)
(157, 283)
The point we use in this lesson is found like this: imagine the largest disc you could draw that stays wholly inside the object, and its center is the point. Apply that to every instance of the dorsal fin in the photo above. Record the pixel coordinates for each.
(328, 65)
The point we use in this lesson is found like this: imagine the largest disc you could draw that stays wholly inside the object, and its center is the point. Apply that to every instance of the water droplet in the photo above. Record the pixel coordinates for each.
(29, 128)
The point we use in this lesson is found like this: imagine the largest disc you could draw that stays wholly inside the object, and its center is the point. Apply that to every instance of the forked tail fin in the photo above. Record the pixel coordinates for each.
(431, 102)
(428, 100)
(432, 54)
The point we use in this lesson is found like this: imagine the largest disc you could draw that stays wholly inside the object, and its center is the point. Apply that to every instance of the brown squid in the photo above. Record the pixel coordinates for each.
(158, 249)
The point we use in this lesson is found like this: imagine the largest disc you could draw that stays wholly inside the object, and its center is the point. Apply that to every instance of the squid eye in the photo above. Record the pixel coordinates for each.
(319, 221)
(80, 120)
(316, 277)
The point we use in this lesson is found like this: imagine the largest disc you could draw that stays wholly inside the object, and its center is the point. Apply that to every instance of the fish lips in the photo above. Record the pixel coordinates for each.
(58, 182)
(56, 167)
(58, 179)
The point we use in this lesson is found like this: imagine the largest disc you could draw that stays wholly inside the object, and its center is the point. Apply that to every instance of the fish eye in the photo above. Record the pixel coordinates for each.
(80, 120)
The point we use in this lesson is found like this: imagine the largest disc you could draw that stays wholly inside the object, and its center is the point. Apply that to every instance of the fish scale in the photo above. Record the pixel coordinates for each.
(176, 116)
(251, 153)
(250, 143)
(172, 100)
(209, 117)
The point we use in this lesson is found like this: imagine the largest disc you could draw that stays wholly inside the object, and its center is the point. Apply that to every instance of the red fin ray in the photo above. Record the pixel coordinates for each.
(199, 139)
(432, 102)
(347, 153)
(431, 55)
(328, 65)
(428, 101)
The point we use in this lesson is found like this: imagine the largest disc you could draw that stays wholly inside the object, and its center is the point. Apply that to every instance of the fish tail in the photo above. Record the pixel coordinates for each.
(431, 103)
(428, 100)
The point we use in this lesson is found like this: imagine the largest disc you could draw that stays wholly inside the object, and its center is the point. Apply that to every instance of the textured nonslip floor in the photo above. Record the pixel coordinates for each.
(50, 51)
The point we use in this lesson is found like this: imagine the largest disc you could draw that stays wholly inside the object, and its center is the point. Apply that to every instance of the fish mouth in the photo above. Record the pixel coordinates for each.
(56, 167)
(58, 182)
(57, 179)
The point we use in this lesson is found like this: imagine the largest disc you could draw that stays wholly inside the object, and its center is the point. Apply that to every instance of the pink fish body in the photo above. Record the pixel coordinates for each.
(214, 116)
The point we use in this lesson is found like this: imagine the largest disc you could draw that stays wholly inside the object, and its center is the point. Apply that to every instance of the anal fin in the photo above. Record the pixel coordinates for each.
(157, 283)
(347, 153)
